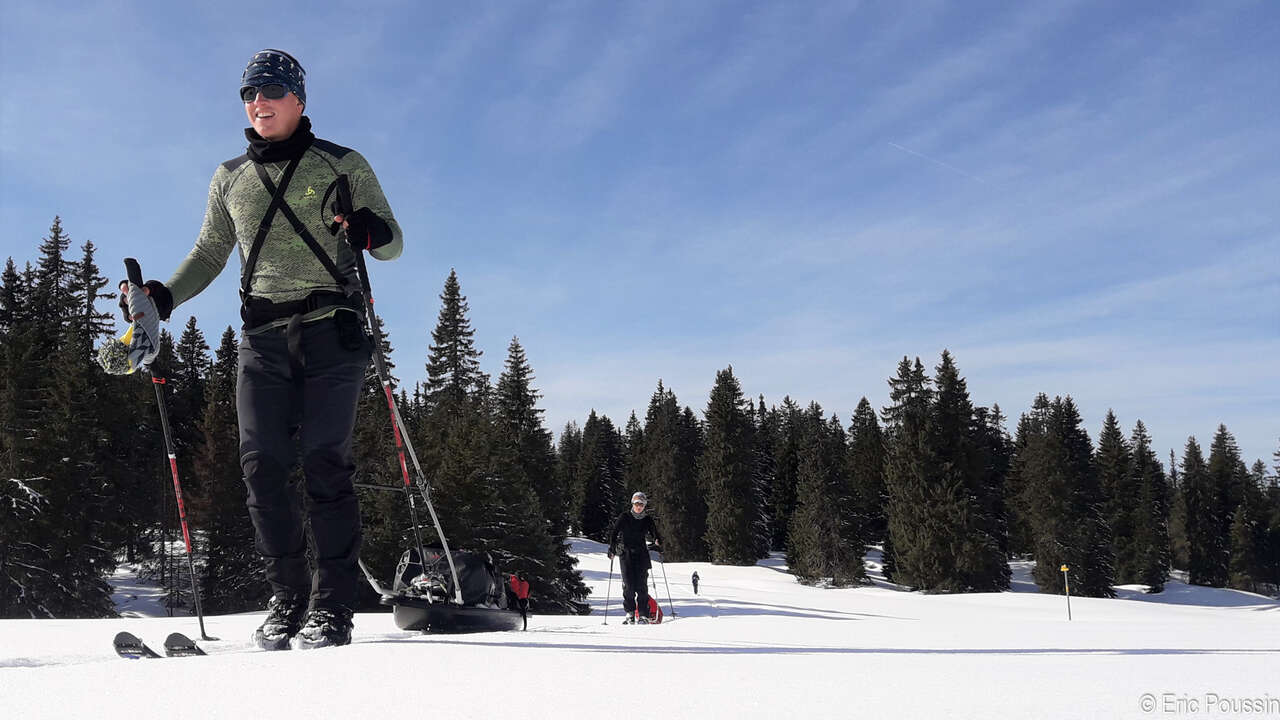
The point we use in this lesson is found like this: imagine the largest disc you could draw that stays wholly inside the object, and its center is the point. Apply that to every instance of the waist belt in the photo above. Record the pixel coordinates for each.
(258, 311)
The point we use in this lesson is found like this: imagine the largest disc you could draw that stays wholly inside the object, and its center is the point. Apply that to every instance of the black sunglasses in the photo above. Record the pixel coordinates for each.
(272, 91)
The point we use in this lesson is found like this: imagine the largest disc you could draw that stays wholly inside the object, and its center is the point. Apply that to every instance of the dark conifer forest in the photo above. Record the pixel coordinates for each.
(949, 490)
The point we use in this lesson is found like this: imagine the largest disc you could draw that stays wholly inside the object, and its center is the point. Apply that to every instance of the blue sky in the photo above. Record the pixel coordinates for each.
(1073, 197)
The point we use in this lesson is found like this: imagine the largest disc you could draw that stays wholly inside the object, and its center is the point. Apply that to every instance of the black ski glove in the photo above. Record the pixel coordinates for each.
(160, 295)
(366, 231)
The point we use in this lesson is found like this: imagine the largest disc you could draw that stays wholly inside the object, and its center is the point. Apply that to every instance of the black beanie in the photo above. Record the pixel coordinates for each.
(276, 66)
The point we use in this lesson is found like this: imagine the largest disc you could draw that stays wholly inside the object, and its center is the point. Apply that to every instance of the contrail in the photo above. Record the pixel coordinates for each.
(939, 162)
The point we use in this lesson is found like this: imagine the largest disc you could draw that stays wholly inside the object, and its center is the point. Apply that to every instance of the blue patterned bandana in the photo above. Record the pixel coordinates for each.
(276, 66)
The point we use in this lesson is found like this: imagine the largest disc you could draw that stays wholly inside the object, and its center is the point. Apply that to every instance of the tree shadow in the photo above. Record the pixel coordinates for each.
(706, 607)
(1177, 593)
(692, 648)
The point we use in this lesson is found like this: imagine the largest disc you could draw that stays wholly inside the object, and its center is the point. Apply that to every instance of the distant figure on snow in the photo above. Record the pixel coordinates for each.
(634, 562)
(695, 582)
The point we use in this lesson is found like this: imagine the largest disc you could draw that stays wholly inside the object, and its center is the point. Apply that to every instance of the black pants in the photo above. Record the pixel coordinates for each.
(635, 581)
(284, 412)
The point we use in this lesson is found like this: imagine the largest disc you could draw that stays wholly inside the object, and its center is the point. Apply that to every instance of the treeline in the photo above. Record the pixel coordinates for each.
(933, 479)
(86, 484)
(937, 482)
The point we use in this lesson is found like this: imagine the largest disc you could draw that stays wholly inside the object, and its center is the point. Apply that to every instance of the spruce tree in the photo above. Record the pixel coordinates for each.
(52, 301)
(21, 556)
(568, 450)
(52, 440)
(970, 499)
(1027, 443)
(1227, 470)
(1229, 479)
(1179, 553)
(691, 445)
(1063, 500)
(788, 420)
(1115, 463)
(995, 450)
(11, 294)
(765, 430)
(453, 365)
(825, 541)
(634, 479)
(668, 462)
(866, 460)
(88, 325)
(918, 558)
(1270, 560)
(728, 476)
(186, 401)
(520, 424)
(1151, 518)
(599, 495)
(81, 390)
(536, 545)
(1249, 534)
(454, 443)
(1244, 545)
(1208, 548)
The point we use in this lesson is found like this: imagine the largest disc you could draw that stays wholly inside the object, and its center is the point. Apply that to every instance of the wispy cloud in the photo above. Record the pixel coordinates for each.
(1074, 197)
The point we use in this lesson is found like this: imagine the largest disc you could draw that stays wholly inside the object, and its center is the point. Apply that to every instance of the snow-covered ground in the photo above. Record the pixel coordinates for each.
(753, 644)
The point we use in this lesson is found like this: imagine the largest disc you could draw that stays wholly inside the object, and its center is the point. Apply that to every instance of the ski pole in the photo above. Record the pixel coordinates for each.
(134, 273)
(403, 443)
(608, 591)
(670, 605)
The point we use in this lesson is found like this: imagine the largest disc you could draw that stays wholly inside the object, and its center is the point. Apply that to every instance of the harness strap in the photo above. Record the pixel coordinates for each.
(316, 250)
(264, 226)
(259, 311)
(279, 203)
(256, 311)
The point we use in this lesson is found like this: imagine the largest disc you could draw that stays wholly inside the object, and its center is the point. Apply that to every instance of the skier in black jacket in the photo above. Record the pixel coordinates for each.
(633, 525)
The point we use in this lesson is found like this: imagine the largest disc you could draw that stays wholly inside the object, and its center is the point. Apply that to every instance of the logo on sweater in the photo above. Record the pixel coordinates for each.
(310, 192)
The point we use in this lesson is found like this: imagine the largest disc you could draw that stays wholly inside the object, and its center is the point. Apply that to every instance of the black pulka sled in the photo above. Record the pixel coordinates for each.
(423, 597)
(452, 591)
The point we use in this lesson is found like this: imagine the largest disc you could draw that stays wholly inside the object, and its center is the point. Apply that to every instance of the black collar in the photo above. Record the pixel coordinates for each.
(262, 150)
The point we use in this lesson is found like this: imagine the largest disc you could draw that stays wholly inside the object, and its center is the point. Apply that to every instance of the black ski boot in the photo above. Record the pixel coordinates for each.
(284, 620)
(325, 627)
(628, 620)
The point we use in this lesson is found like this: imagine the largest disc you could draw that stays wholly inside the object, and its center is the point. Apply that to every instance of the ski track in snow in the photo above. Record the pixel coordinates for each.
(752, 644)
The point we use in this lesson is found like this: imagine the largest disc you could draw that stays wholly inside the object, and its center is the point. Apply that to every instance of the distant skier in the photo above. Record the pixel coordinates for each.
(634, 525)
(695, 582)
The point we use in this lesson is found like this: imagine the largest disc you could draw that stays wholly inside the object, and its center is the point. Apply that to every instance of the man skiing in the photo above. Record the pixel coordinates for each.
(634, 525)
(303, 352)
(695, 582)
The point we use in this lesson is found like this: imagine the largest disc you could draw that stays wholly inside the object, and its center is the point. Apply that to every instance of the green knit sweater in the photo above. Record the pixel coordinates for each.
(287, 269)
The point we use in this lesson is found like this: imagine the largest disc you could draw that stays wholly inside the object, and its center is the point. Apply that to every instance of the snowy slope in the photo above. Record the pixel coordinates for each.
(754, 644)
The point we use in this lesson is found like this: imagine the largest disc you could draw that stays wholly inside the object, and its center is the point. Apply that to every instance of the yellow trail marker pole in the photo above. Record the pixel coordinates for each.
(1066, 579)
